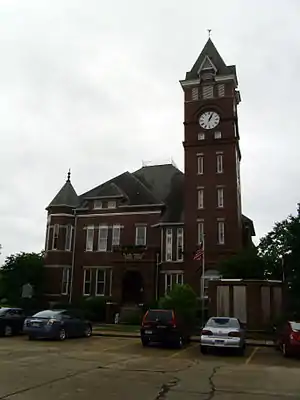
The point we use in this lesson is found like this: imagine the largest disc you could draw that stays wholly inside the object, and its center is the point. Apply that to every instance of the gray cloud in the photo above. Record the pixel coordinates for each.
(94, 86)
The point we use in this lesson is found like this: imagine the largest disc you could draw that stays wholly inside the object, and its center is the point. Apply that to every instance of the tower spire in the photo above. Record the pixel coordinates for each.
(208, 30)
(69, 175)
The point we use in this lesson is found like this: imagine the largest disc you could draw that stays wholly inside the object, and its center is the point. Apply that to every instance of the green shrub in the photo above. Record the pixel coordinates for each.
(94, 308)
(183, 300)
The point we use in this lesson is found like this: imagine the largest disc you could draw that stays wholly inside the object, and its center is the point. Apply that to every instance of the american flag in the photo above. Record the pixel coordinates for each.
(199, 253)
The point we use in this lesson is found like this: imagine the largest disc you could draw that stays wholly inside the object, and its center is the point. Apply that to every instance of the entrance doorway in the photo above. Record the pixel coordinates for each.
(132, 289)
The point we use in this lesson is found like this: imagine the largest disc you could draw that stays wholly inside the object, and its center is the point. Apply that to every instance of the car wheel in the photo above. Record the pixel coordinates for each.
(203, 349)
(88, 331)
(285, 350)
(145, 342)
(62, 335)
(8, 331)
(241, 351)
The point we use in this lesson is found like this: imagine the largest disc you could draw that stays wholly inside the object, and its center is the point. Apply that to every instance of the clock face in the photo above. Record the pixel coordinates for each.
(209, 120)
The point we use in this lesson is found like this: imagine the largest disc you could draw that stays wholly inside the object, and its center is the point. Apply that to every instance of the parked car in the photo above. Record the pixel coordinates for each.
(288, 338)
(223, 332)
(164, 326)
(11, 321)
(57, 324)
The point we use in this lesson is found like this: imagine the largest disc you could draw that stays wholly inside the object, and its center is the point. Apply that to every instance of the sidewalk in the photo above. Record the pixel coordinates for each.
(97, 331)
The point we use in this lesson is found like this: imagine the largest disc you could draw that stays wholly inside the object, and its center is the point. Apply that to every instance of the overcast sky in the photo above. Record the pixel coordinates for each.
(93, 85)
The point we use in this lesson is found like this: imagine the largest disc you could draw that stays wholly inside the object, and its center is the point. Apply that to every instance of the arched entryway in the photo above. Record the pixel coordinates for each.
(132, 287)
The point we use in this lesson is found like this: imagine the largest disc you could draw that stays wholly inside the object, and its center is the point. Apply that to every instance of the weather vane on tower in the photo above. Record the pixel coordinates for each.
(208, 30)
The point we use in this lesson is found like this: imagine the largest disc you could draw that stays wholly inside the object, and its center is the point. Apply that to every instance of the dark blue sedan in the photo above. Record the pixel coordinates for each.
(56, 324)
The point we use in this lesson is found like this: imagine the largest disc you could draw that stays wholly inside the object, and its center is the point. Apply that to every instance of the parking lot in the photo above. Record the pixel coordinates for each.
(120, 368)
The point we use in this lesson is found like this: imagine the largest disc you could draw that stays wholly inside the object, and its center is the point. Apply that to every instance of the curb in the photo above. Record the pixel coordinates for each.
(194, 339)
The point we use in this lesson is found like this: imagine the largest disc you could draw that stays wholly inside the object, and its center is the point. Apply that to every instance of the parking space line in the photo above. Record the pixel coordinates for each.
(181, 351)
(254, 351)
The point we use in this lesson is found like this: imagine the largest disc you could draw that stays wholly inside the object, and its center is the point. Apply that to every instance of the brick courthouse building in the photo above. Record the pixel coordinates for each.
(132, 238)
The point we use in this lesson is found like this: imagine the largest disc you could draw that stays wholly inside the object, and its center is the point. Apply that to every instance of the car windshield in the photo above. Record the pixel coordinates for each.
(3, 311)
(223, 323)
(47, 314)
(295, 326)
(159, 315)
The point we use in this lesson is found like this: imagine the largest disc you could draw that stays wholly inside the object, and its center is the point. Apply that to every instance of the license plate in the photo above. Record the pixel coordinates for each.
(35, 324)
(148, 332)
(219, 342)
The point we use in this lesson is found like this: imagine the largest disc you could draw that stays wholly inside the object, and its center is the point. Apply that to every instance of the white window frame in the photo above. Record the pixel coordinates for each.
(221, 90)
(87, 281)
(219, 160)
(116, 235)
(218, 135)
(89, 243)
(98, 205)
(221, 232)
(200, 232)
(102, 238)
(200, 198)
(138, 241)
(207, 92)
(47, 238)
(69, 237)
(195, 93)
(102, 281)
(201, 136)
(65, 281)
(179, 244)
(169, 244)
(172, 279)
(111, 204)
(55, 236)
(200, 164)
(220, 197)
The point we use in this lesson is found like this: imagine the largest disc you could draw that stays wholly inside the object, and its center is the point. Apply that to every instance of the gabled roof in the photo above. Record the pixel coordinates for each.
(67, 196)
(248, 223)
(210, 51)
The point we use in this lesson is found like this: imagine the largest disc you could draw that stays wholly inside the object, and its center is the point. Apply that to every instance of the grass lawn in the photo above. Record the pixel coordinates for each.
(118, 327)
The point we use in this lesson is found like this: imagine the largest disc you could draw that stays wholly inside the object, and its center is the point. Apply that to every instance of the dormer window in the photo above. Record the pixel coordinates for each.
(98, 204)
(111, 204)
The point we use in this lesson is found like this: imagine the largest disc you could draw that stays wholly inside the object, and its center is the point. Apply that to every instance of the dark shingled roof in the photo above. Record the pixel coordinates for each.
(65, 197)
(210, 50)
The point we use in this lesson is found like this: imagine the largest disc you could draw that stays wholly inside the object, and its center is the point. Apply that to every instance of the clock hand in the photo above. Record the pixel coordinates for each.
(210, 117)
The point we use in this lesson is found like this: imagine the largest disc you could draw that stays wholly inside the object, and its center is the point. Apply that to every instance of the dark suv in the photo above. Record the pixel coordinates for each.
(164, 326)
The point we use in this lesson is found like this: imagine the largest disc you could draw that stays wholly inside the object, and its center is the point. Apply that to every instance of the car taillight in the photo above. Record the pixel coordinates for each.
(144, 319)
(234, 334)
(206, 332)
(51, 321)
(295, 336)
(173, 321)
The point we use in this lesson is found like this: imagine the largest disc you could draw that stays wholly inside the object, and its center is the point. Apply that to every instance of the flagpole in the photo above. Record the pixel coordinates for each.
(202, 279)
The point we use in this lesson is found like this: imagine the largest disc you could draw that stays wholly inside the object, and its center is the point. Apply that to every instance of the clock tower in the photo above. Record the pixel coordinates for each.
(212, 196)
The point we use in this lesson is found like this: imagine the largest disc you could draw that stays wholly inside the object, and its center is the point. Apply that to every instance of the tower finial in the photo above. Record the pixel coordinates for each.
(69, 175)
(208, 30)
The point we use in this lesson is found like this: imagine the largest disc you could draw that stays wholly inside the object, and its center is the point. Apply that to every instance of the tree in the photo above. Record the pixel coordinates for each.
(280, 250)
(245, 265)
(18, 270)
(183, 300)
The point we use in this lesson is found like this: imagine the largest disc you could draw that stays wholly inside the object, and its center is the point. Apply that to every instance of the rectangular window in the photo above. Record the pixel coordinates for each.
(100, 282)
(221, 90)
(87, 281)
(102, 238)
(47, 238)
(220, 168)
(169, 244)
(221, 232)
(218, 135)
(111, 204)
(55, 237)
(172, 279)
(200, 198)
(179, 245)
(65, 282)
(89, 238)
(220, 197)
(97, 204)
(116, 234)
(208, 92)
(140, 235)
(200, 231)
(69, 234)
(200, 164)
(195, 93)
(201, 136)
